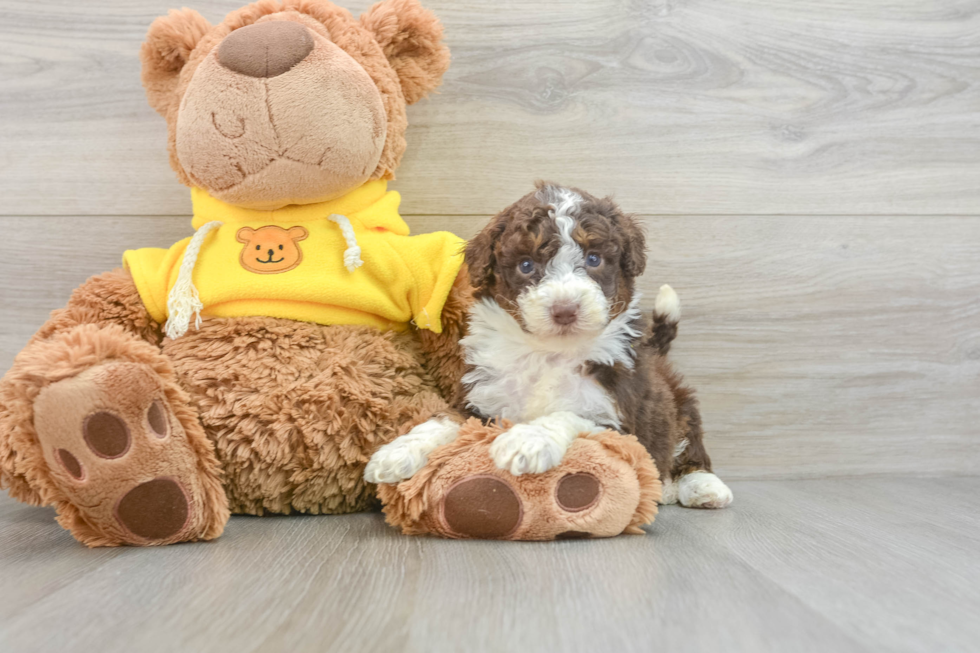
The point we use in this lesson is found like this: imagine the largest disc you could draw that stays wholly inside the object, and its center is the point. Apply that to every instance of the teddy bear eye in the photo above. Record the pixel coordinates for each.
(257, 247)
(280, 247)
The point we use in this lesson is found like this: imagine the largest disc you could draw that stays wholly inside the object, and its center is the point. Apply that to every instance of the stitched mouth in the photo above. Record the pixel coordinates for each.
(271, 261)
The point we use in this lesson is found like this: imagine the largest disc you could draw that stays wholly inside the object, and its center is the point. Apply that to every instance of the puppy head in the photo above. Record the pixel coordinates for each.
(561, 261)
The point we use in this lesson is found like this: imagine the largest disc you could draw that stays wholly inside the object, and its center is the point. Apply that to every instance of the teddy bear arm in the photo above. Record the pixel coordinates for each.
(105, 299)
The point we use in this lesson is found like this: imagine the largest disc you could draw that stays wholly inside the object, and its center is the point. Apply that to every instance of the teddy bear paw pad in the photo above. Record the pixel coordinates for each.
(482, 507)
(119, 454)
(576, 492)
(538, 507)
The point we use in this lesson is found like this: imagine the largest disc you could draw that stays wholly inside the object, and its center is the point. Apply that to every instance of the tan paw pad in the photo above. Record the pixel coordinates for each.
(119, 454)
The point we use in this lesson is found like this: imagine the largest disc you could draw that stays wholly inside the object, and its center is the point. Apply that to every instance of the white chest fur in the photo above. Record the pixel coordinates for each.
(521, 377)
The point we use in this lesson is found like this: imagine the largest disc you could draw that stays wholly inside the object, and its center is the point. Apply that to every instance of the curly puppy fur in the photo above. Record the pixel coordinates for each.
(543, 267)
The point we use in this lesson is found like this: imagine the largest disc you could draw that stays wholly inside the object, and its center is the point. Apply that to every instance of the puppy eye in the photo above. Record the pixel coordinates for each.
(593, 260)
(526, 266)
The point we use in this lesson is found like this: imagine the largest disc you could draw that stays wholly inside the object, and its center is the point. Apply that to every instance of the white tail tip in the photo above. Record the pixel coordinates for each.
(668, 304)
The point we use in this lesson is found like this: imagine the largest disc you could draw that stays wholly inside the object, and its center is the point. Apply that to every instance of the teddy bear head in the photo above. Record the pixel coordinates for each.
(290, 102)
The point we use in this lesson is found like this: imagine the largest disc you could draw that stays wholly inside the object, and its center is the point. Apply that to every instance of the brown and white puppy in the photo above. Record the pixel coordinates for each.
(556, 342)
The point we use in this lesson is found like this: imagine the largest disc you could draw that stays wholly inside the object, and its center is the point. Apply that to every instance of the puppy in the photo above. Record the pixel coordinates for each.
(556, 342)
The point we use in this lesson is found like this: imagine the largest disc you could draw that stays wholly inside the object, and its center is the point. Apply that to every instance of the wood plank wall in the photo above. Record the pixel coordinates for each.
(808, 173)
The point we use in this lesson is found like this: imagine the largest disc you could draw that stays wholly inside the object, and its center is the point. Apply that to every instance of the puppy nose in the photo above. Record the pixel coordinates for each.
(265, 49)
(564, 314)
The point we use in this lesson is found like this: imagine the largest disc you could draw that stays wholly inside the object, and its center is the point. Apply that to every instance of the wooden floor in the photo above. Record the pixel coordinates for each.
(830, 565)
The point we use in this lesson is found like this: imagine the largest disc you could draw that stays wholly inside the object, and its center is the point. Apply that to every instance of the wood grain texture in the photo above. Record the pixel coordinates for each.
(699, 106)
(819, 346)
(842, 565)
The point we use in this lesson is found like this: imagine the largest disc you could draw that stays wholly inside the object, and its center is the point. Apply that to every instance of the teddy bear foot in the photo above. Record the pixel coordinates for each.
(605, 485)
(123, 461)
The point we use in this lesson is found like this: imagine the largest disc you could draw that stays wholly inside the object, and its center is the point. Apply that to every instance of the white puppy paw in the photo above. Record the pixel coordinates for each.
(402, 458)
(527, 449)
(395, 462)
(668, 494)
(703, 490)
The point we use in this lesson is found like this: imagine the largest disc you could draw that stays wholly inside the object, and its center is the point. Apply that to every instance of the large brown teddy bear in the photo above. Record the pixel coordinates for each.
(255, 366)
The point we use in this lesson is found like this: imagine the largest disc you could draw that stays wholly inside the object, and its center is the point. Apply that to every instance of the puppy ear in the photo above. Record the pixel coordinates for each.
(633, 259)
(480, 255)
(411, 38)
(298, 233)
(168, 45)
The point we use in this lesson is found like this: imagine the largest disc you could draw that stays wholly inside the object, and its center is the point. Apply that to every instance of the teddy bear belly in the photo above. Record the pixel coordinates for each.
(295, 409)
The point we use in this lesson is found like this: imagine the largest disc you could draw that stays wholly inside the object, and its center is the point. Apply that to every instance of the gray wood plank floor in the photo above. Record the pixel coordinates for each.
(885, 564)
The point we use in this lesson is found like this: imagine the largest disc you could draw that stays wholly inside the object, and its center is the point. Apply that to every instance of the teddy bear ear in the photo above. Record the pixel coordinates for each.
(168, 45)
(411, 38)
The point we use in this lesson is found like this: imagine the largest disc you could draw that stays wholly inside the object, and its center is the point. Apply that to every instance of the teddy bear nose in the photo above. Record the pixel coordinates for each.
(265, 49)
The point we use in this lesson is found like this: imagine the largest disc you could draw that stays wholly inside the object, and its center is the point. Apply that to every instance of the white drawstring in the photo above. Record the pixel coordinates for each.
(183, 300)
(352, 255)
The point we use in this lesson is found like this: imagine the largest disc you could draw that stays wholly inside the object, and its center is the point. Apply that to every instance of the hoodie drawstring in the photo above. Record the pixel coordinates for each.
(352, 255)
(183, 300)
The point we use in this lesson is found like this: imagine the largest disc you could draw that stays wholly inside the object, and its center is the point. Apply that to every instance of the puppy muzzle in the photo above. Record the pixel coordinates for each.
(569, 304)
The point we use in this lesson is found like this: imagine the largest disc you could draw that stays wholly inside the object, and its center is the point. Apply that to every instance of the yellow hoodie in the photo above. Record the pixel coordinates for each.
(346, 261)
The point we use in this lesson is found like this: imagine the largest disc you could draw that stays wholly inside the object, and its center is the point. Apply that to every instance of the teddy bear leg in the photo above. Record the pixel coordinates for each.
(605, 485)
(95, 424)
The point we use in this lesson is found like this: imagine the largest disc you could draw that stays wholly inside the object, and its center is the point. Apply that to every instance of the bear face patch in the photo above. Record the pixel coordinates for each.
(271, 249)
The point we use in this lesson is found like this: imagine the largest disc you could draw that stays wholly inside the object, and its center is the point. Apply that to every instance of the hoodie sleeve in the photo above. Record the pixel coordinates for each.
(434, 260)
(152, 269)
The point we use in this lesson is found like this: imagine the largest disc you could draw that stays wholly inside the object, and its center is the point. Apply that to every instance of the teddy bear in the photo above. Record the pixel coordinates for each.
(256, 365)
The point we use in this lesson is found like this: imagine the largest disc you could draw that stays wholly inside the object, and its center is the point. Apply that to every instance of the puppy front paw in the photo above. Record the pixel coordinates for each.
(401, 459)
(526, 449)
(395, 462)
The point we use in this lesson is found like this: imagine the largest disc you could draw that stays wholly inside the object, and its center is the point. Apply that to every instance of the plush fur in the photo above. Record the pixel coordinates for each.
(253, 415)
(394, 38)
(630, 488)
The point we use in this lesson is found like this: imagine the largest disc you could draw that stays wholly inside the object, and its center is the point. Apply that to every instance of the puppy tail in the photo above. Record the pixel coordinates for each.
(666, 315)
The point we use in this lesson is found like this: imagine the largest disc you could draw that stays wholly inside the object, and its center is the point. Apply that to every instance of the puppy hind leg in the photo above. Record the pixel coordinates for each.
(703, 490)
(694, 485)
